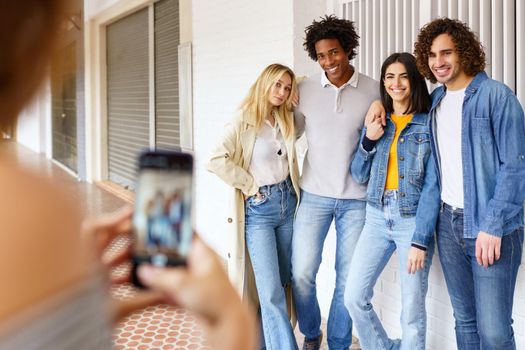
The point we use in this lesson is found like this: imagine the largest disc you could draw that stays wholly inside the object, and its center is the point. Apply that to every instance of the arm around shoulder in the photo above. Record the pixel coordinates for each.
(299, 123)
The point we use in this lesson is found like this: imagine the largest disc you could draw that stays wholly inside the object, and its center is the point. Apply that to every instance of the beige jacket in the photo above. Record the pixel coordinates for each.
(230, 161)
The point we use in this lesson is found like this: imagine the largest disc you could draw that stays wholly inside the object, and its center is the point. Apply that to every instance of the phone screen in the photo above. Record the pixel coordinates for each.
(162, 220)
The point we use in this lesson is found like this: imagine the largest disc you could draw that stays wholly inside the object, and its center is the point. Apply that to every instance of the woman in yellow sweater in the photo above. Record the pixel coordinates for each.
(402, 206)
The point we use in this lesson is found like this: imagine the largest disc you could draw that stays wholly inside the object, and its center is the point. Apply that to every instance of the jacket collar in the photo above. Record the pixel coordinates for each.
(418, 118)
(476, 82)
(353, 81)
(247, 118)
(469, 90)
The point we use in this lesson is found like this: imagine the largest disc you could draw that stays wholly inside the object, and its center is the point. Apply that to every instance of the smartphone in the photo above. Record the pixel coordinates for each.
(162, 221)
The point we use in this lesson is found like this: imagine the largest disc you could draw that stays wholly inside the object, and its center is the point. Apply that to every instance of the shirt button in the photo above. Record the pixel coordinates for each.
(401, 177)
(402, 194)
(402, 140)
(230, 220)
(401, 158)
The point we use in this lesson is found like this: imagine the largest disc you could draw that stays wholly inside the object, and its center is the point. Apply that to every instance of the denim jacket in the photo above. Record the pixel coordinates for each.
(493, 154)
(418, 179)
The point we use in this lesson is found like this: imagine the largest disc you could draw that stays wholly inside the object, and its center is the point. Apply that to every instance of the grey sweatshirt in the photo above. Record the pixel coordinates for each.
(332, 119)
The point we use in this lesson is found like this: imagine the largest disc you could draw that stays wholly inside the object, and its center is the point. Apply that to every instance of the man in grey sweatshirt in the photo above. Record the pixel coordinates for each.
(331, 112)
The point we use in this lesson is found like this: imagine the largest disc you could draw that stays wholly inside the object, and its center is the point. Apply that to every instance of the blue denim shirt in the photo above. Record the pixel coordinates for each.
(493, 154)
(418, 178)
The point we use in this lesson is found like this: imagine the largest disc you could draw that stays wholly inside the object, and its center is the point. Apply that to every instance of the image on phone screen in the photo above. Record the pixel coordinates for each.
(162, 219)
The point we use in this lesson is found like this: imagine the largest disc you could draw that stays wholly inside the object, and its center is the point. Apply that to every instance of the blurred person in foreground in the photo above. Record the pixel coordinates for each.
(54, 292)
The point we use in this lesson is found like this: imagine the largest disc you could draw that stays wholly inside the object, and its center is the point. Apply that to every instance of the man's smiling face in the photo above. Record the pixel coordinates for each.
(334, 61)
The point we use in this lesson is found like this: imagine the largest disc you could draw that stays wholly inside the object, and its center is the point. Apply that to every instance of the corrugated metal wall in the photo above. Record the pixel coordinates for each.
(143, 81)
(167, 133)
(387, 26)
(128, 95)
(384, 27)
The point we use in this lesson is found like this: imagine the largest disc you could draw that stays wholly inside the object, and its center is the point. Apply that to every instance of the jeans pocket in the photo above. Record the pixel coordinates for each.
(255, 201)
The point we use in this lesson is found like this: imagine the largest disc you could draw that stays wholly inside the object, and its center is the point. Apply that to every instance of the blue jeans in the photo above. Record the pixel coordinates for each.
(387, 231)
(481, 297)
(312, 222)
(268, 230)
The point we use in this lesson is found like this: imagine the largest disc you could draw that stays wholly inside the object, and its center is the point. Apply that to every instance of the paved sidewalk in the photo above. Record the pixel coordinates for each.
(159, 327)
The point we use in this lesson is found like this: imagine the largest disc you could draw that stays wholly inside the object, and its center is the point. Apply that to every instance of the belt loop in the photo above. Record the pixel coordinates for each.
(265, 189)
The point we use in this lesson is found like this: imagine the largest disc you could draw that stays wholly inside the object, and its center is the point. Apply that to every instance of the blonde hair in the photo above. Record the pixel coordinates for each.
(256, 102)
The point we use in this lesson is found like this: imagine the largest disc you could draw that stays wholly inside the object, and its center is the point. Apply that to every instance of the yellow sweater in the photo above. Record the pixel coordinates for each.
(400, 121)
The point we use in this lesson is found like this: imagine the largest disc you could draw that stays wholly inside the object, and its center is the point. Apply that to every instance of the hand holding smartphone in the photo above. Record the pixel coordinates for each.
(162, 221)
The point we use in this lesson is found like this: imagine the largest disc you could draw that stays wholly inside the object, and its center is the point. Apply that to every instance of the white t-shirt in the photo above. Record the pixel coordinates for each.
(448, 132)
(269, 164)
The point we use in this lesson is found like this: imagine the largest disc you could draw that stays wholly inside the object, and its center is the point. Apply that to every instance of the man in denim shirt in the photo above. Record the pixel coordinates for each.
(478, 136)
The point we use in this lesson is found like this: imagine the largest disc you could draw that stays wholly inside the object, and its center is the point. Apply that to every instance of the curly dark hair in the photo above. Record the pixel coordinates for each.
(468, 47)
(331, 27)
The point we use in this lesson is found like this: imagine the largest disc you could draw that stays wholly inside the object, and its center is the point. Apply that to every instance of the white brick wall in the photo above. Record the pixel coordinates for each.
(233, 40)
(303, 16)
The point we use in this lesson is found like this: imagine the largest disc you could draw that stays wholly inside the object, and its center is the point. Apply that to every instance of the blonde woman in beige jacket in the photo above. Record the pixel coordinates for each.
(257, 158)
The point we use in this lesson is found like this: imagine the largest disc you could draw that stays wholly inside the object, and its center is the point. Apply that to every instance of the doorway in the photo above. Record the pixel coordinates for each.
(64, 107)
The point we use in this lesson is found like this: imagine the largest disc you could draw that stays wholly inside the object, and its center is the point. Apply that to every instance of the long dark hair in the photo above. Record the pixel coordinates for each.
(419, 97)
